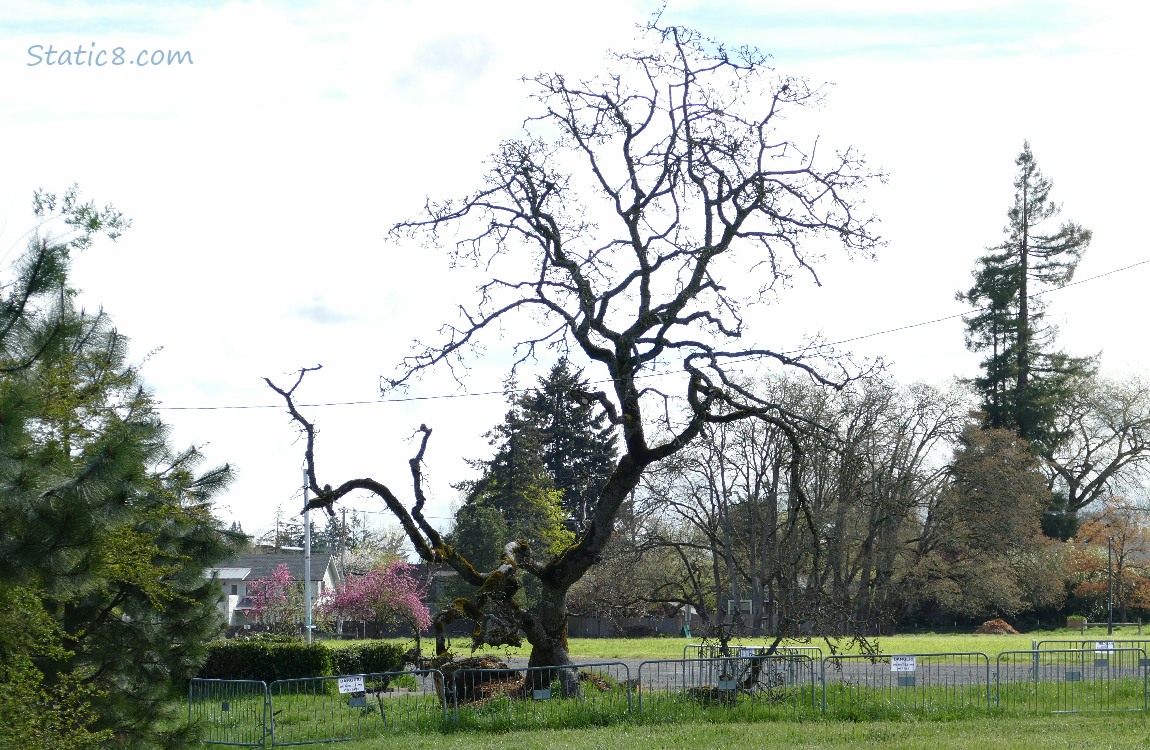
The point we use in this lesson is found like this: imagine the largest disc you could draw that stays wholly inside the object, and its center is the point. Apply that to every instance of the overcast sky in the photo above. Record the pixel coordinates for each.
(263, 173)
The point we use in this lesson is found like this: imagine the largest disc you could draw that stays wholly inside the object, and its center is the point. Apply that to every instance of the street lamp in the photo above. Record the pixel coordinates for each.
(1110, 585)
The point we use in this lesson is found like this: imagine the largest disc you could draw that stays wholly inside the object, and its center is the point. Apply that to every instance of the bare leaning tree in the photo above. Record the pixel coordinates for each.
(630, 226)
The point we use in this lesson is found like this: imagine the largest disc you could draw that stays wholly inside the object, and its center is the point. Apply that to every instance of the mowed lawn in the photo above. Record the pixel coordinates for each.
(605, 649)
(930, 643)
(1077, 731)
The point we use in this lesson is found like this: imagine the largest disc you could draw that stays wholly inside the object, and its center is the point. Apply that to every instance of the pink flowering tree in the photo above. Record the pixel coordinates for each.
(391, 594)
(276, 600)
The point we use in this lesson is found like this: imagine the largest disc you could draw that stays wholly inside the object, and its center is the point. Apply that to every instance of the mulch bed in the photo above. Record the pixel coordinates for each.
(997, 626)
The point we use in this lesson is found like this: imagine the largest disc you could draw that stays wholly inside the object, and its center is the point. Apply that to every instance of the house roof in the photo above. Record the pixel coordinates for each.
(259, 565)
(233, 573)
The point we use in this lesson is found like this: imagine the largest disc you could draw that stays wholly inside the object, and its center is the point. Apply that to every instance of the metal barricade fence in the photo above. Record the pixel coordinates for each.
(1092, 644)
(1070, 680)
(814, 652)
(711, 667)
(752, 685)
(749, 686)
(230, 712)
(575, 695)
(330, 709)
(887, 685)
(716, 651)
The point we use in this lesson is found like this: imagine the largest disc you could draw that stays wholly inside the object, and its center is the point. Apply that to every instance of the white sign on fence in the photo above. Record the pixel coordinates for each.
(1104, 647)
(353, 684)
(903, 664)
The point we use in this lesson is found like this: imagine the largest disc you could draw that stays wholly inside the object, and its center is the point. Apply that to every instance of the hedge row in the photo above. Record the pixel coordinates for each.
(366, 658)
(268, 660)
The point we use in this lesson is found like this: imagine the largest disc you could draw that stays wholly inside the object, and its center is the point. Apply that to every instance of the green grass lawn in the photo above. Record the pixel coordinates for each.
(606, 649)
(937, 713)
(1079, 732)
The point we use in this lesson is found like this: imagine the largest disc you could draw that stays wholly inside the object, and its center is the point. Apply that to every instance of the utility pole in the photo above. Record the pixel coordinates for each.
(1110, 585)
(343, 544)
(306, 561)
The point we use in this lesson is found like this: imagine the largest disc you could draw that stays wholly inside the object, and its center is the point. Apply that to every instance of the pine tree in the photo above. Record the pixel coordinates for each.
(1024, 377)
(107, 529)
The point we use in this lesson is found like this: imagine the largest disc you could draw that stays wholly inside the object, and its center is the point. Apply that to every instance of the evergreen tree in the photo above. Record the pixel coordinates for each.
(515, 481)
(1024, 377)
(287, 531)
(481, 533)
(577, 443)
(107, 529)
(553, 453)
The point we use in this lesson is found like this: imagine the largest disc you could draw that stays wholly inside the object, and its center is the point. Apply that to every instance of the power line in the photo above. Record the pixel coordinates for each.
(443, 396)
(392, 400)
(962, 314)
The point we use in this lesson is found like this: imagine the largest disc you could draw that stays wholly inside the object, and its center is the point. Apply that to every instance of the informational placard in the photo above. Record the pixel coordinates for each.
(903, 663)
(1104, 647)
(352, 684)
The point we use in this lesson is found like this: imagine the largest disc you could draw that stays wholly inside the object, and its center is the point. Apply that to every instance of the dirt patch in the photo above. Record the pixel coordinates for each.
(492, 679)
(997, 626)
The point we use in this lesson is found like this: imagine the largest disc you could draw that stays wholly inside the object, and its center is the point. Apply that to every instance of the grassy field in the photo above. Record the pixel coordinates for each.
(605, 649)
(944, 710)
(1079, 732)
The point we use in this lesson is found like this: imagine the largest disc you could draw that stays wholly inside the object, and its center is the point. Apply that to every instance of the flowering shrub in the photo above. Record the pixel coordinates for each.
(276, 599)
(385, 595)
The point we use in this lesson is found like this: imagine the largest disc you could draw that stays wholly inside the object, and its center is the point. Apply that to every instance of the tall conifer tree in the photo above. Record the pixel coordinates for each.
(553, 454)
(1024, 377)
(578, 444)
(515, 481)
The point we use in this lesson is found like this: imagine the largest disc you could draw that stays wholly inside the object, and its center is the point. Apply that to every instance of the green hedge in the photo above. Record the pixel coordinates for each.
(266, 660)
(271, 659)
(365, 658)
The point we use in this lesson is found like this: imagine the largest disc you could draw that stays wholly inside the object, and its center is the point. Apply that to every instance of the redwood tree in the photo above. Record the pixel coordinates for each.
(630, 226)
(1025, 378)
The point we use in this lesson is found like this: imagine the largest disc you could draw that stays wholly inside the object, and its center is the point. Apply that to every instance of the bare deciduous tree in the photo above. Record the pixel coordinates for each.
(1105, 424)
(830, 555)
(629, 227)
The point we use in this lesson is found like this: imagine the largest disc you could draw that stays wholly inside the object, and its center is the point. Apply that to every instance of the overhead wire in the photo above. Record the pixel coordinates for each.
(403, 399)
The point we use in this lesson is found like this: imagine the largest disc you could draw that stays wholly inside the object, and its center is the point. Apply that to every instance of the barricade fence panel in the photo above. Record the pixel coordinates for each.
(1068, 680)
(330, 709)
(1096, 675)
(586, 694)
(743, 687)
(1092, 644)
(930, 685)
(229, 712)
(716, 650)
